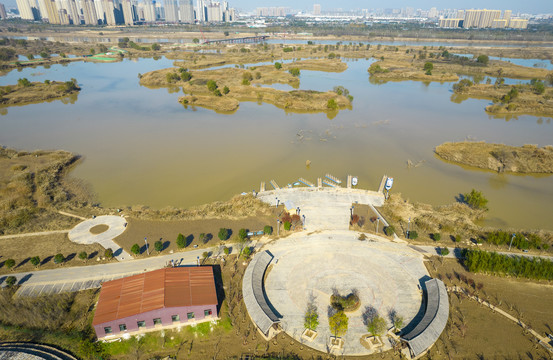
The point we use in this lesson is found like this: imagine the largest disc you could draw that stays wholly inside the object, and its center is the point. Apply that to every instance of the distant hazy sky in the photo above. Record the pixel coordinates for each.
(529, 6)
(526, 6)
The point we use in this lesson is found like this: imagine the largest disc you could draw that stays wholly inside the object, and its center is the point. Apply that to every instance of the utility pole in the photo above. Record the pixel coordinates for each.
(512, 238)
(147, 250)
(408, 226)
(377, 221)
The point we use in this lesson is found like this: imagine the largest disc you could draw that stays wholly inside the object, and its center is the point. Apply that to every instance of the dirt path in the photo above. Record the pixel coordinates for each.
(72, 215)
(34, 234)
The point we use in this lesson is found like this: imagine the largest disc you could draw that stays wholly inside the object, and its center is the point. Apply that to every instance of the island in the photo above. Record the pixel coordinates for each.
(26, 92)
(223, 89)
(526, 159)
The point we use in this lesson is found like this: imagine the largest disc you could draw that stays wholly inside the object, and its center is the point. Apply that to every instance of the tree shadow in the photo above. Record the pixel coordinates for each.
(165, 245)
(189, 240)
(368, 314)
(118, 252)
(143, 249)
(23, 262)
(46, 260)
(207, 238)
(24, 279)
(460, 198)
(70, 257)
(2, 264)
(92, 255)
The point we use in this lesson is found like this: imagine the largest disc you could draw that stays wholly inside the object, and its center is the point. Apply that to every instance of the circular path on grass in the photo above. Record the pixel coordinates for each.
(81, 234)
(309, 267)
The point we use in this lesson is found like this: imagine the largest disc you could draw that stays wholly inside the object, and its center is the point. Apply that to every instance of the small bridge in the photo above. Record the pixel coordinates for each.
(243, 40)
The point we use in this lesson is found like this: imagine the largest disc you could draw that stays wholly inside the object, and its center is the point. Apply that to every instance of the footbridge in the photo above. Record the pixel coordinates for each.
(242, 40)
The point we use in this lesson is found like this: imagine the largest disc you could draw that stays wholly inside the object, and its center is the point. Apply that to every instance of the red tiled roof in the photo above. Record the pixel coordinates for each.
(169, 287)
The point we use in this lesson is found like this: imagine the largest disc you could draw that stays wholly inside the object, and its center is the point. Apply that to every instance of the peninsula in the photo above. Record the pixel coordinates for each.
(26, 92)
(526, 159)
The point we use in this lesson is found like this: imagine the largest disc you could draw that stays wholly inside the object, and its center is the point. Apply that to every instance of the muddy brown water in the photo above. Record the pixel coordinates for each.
(141, 146)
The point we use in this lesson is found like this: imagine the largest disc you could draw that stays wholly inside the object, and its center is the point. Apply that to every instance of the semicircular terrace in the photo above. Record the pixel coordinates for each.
(255, 299)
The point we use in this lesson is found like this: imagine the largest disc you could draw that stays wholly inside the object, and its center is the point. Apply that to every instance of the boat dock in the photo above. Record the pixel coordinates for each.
(275, 185)
(333, 178)
(308, 183)
(382, 184)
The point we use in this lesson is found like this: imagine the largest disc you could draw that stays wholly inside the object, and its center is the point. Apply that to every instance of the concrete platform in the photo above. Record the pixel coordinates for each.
(385, 274)
(116, 226)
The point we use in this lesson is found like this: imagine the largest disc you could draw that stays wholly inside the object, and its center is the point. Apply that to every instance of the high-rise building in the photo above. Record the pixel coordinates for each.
(316, 9)
(24, 9)
(186, 11)
(201, 11)
(64, 18)
(3, 14)
(109, 12)
(507, 16)
(518, 23)
(89, 12)
(149, 11)
(171, 11)
(214, 12)
(52, 12)
(128, 13)
(484, 18)
(449, 23)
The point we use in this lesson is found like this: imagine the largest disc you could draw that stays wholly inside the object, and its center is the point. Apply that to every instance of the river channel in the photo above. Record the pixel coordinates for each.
(140, 146)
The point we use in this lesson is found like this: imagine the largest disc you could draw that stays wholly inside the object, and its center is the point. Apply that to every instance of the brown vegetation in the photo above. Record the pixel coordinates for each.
(499, 157)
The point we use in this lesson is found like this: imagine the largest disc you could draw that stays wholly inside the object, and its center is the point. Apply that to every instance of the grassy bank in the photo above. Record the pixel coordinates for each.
(525, 159)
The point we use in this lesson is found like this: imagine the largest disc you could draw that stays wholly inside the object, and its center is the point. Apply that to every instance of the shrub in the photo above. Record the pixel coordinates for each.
(9, 263)
(247, 76)
(268, 230)
(413, 235)
(242, 234)
(158, 246)
(483, 59)
(155, 46)
(376, 326)
(338, 324)
(294, 71)
(462, 85)
(247, 252)
(211, 85)
(287, 225)
(135, 249)
(287, 49)
(226, 250)
(444, 251)
(10, 281)
(226, 90)
(389, 230)
(205, 254)
(278, 65)
(59, 258)
(428, 66)
(311, 318)
(223, 234)
(83, 255)
(185, 75)
(436, 236)
(519, 266)
(24, 82)
(35, 260)
(245, 82)
(475, 199)
(181, 241)
(108, 253)
(47, 82)
(217, 92)
(331, 104)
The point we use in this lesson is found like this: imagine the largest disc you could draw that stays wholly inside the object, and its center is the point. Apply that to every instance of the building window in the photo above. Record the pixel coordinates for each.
(157, 321)
(107, 330)
(141, 324)
(175, 318)
(207, 312)
(122, 327)
(190, 316)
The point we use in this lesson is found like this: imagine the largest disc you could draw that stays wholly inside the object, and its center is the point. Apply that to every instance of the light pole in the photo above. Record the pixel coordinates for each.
(377, 221)
(408, 225)
(351, 212)
(512, 238)
(276, 202)
(303, 222)
(147, 250)
(278, 227)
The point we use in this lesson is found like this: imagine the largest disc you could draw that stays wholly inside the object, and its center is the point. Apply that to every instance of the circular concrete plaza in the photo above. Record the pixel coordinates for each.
(81, 233)
(307, 268)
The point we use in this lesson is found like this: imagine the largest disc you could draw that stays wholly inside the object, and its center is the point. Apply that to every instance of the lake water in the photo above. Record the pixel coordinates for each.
(141, 146)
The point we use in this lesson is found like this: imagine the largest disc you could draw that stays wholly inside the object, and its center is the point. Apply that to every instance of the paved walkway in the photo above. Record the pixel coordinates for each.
(116, 226)
(324, 208)
(308, 267)
(64, 279)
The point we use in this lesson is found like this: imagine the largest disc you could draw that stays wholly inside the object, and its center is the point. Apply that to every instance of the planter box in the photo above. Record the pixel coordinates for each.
(371, 342)
(309, 335)
(336, 343)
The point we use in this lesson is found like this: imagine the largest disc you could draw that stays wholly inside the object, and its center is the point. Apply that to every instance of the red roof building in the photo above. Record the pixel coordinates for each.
(155, 300)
